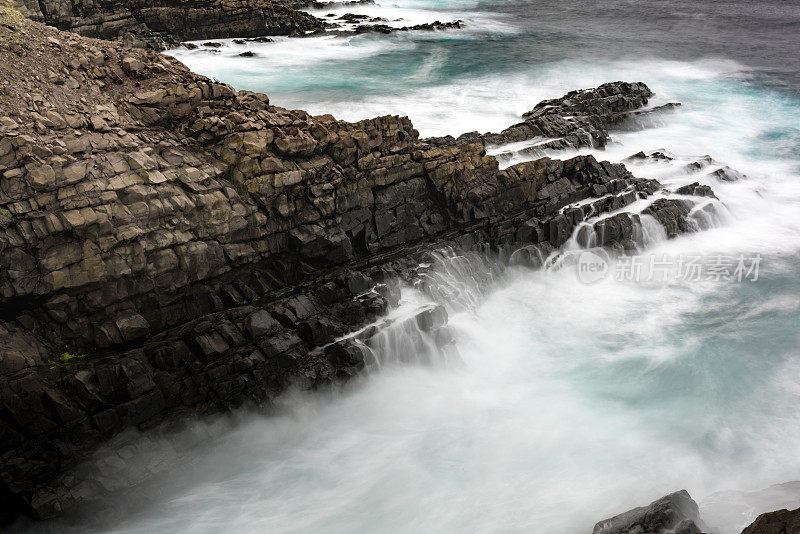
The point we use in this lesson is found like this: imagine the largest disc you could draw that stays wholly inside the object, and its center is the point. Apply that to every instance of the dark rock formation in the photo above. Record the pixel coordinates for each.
(677, 513)
(162, 23)
(780, 522)
(428, 26)
(172, 247)
(672, 213)
(697, 190)
(726, 174)
(653, 156)
(578, 119)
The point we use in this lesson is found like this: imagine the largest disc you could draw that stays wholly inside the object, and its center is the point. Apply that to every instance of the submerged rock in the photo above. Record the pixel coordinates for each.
(260, 40)
(676, 513)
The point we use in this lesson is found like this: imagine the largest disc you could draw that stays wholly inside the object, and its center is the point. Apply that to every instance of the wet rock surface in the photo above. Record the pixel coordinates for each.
(676, 513)
(170, 247)
(696, 189)
(428, 26)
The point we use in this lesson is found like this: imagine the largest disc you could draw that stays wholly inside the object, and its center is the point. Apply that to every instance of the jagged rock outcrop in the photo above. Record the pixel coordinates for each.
(676, 513)
(779, 522)
(162, 23)
(696, 189)
(427, 26)
(169, 246)
(721, 172)
(578, 119)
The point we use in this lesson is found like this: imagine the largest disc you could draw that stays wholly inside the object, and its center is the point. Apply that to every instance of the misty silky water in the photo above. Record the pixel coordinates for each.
(568, 402)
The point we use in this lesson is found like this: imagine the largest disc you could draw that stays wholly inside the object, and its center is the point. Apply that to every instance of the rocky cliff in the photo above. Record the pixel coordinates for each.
(172, 247)
(161, 23)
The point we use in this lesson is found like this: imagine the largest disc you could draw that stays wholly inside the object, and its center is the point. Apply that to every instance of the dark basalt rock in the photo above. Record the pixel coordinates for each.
(636, 157)
(672, 213)
(779, 522)
(676, 513)
(726, 174)
(697, 190)
(606, 100)
(373, 28)
(386, 29)
(653, 156)
(578, 119)
(353, 17)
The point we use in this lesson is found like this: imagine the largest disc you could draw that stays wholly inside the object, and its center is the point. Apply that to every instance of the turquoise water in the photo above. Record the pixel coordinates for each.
(507, 57)
(573, 402)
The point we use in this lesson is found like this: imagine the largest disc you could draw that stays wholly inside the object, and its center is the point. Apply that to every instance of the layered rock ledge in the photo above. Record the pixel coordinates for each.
(170, 247)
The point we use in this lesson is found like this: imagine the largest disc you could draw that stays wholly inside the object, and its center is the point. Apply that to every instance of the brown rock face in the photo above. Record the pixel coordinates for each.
(170, 246)
(780, 522)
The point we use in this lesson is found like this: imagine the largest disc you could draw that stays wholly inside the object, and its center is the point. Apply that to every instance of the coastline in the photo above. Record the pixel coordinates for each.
(265, 263)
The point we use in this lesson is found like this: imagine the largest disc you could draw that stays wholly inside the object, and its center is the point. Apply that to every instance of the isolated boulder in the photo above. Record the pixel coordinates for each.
(676, 513)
